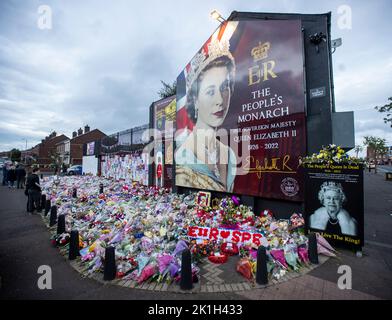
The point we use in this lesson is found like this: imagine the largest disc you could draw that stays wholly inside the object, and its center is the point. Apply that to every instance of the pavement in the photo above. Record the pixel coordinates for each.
(25, 245)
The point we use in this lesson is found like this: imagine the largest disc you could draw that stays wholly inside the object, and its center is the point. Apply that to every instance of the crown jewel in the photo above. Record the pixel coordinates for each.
(331, 185)
(215, 49)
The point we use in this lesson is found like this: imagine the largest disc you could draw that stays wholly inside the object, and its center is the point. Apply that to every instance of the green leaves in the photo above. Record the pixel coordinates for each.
(167, 90)
(387, 109)
(377, 144)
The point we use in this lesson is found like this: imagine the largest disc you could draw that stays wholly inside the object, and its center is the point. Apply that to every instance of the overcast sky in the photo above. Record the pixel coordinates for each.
(102, 61)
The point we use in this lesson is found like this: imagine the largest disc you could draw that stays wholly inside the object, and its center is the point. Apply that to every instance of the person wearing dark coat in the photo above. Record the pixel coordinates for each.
(20, 176)
(33, 190)
(5, 174)
(11, 177)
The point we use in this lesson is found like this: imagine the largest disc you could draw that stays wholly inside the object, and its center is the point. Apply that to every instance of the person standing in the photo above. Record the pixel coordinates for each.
(64, 169)
(5, 174)
(20, 176)
(33, 189)
(11, 177)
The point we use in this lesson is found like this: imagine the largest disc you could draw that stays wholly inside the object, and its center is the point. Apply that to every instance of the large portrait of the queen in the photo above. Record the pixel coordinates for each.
(202, 160)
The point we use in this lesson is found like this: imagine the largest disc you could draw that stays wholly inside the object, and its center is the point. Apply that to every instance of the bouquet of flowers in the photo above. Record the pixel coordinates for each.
(330, 154)
(201, 250)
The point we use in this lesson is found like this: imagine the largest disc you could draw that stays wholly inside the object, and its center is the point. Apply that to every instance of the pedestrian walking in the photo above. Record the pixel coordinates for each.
(11, 177)
(20, 176)
(33, 190)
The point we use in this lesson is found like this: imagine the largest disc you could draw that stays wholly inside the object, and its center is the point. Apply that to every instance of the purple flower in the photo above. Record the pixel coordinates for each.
(235, 200)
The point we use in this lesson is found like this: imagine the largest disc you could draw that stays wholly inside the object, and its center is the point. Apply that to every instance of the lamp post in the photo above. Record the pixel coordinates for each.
(217, 16)
(24, 139)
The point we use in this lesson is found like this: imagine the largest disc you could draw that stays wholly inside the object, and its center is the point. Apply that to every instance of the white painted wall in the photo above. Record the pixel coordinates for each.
(90, 165)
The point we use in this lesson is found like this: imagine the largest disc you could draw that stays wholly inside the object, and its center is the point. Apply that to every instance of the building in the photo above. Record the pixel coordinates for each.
(29, 156)
(79, 138)
(381, 159)
(63, 150)
(47, 149)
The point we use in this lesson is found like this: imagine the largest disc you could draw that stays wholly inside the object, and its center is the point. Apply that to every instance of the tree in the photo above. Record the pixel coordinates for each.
(376, 144)
(387, 109)
(358, 148)
(55, 160)
(15, 155)
(167, 90)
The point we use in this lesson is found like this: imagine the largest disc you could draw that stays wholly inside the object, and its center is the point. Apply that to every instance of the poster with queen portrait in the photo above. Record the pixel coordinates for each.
(240, 120)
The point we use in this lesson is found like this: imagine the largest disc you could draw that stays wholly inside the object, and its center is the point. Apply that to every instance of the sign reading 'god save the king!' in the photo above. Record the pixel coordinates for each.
(240, 111)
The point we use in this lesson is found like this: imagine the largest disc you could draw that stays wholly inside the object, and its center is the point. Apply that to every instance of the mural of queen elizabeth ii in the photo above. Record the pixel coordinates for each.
(202, 160)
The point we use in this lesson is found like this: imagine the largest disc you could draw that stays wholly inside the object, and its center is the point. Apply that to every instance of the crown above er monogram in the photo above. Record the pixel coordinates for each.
(261, 51)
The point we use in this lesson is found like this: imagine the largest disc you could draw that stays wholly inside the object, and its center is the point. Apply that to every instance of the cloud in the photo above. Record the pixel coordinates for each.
(101, 63)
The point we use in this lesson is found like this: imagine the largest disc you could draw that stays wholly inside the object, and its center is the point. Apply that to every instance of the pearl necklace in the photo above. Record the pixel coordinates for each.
(333, 223)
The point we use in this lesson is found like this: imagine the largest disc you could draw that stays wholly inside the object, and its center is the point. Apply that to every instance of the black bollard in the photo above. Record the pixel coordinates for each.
(109, 272)
(47, 206)
(61, 224)
(101, 188)
(261, 267)
(42, 176)
(43, 202)
(74, 245)
(53, 216)
(74, 193)
(30, 204)
(186, 271)
(312, 248)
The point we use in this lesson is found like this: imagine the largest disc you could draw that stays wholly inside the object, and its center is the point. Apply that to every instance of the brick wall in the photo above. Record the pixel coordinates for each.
(77, 144)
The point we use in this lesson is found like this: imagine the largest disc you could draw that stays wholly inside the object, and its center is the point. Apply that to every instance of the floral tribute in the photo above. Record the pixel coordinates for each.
(331, 154)
(149, 227)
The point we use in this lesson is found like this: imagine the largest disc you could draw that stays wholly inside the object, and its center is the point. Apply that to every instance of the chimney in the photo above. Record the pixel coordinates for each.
(86, 129)
(80, 131)
(74, 134)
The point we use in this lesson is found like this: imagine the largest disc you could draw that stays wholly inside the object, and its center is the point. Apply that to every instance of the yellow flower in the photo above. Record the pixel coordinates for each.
(92, 247)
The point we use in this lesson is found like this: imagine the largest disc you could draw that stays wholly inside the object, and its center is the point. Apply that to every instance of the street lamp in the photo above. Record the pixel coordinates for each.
(24, 139)
(217, 16)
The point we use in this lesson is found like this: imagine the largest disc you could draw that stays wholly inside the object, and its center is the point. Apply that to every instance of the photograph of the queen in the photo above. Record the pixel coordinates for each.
(202, 161)
(331, 217)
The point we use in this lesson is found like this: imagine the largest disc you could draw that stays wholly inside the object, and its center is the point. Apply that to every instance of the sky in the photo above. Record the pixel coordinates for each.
(102, 61)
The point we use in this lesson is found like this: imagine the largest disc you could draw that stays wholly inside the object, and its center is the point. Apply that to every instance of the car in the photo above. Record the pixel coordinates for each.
(74, 170)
